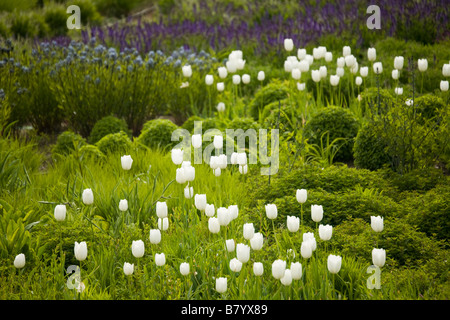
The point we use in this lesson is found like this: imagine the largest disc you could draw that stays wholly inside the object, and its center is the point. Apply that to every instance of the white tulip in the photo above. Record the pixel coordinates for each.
(80, 251)
(293, 223)
(220, 86)
(376, 223)
(222, 161)
(233, 158)
(340, 62)
(323, 72)
(444, 85)
(230, 244)
(334, 80)
(340, 72)
(301, 54)
(155, 236)
(187, 71)
(87, 196)
(261, 76)
(358, 81)
(184, 268)
(372, 54)
(161, 209)
(446, 70)
(245, 78)
(325, 232)
(233, 211)
(19, 261)
(188, 192)
(334, 263)
(223, 72)
(180, 175)
(236, 79)
(138, 248)
(241, 158)
(242, 252)
(209, 79)
(218, 142)
(271, 211)
(288, 44)
(126, 162)
(160, 259)
(258, 269)
(316, 212)
(278, 269)
(163, 224)
(378, 67)
(286, 280)
(223, 216)
(315, 75)
(240, 64)
(288, 66)
(395, 74)
(296, 73)
(364, 71)
(301, 195)
(301, 86)
(210, 210)
(123, 205)
(213, 225)
(221, 285)
(249, 231)
(235, 265)
(398, 62)
(296, 270)
(197, 140)
(346, 51)
(310, 59)
(409, 102)
(231, 66)
(328, 56)
(257, 241)
(177, 156)
(350, 61)
(309, 236)
(379, 257)
(398, 91)
(128, 268)
(60, 212)
(200, 201)
(422, 65)
(306, 249)
(303, 66)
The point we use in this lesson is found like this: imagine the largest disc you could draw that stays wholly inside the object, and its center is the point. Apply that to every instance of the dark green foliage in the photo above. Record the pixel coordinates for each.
(56, 19)
(243, 123)
(67, 142)
(429, 105)
(107, 125)
(339, 123)
(369, 148)
(274, 91)
(90, 151)
(115, 142)
(157, 133)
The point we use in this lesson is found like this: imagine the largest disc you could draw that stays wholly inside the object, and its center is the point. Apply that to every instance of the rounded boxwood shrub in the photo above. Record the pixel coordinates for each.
(286, 115)
(429, 105)
(189, 123)
(369, 100)
(105, 126)
(90, 151)
(67, 142)
(115, 142)
(157, 133)
(272, 92)
(243, 123)
(339, 123)
(369, 148)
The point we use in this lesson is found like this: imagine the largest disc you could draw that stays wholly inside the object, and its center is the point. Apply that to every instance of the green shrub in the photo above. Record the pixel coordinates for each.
(428, 105)
(369, 148)
(56, 18)
(157, 133)
(115, 142)
(339, 123)
(243, 123)
(67, 142)
(89, 13)
(369, 100)
(286, 120)
(189, 123)
(90, 151)
(116, 8)
(22, 26)
(105, 126)
(274, 91)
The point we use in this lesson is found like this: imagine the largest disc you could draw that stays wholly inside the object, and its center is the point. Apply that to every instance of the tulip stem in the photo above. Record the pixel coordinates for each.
(276, 239)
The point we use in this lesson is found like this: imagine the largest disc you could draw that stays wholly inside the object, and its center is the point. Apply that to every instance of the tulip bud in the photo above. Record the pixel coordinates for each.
(230, 244)
(220, 107)
(340, 62)
(350, 61)
(161, 209)
(242, 252)
(346, 51)
(444, 85)
(446, 70)
(364, 71)
(301, 195)
(316, 213)
(309, 236)
(155, 236)
(334, 263)
(189, 173)
(126, 162)
(160, 259)
(240, 64)
(249, 231)
(87, 196)
(19, 261)
(177, 156)
(180, 176)
(223, 216)
(372, 54)
(323, 72)
(358, 81)
(221, 285)
(220, 86)
(278, 269)
(354, 69)
(213, 225)
(223, 72)
(334, 80)
(306, 249)
(210, 211)
(188, 192)
(301, 86)
(328, 56)
(376, 223)
(395, 74)
(241, 158)
(218, 142)
(184, 268)
(187, 71)
(398, 62)
(60, 212)
(378, 67)
(315, 75)
(123, 205)
(209, 79)
(409, 102)
(138, 248)
(301, 54)
(261, 76)
(378, 257)
(245, 79)
(398, 91)
(271, 211)
(197, 140)
(236, 79)
(293, 223)
(325, 232)
(422, 64)
(258, 269)
(288, 44)
(128, 268)
(296, 73)
(80, 251)
(296, 270)
(233, 211)
(340, 72)
(200, 201)
(164, 222)
(256, 242)
(303, 66)
(235, 265)
(286, 280)
(231, 65)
